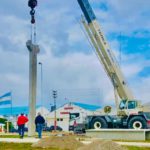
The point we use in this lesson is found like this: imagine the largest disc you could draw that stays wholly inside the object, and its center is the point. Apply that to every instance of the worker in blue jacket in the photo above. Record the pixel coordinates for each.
(39, 122)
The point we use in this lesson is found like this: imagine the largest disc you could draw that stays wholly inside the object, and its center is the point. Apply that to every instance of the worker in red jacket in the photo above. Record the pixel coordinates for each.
(21, 124)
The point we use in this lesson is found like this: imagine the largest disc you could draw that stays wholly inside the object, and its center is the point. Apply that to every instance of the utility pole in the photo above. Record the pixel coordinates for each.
(55, 96)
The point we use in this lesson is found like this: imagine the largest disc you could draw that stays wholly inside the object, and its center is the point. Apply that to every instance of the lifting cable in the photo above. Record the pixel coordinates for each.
(32, 4)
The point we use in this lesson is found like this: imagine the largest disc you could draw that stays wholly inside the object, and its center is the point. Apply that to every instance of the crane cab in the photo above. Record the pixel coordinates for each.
(128, 107)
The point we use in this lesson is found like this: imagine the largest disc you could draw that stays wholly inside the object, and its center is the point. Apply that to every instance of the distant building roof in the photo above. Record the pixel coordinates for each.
(87, 106)
(15, 110)
(25, 109)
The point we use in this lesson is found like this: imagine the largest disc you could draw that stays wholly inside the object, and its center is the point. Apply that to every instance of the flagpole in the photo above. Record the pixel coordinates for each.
(11, 102)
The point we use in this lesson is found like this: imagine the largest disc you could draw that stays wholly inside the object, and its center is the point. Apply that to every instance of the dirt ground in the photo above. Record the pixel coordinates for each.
(60, 142)
(71, 143)
(102, 145)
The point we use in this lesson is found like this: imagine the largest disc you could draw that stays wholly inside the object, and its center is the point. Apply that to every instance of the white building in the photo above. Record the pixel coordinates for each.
(43, 110)
(68, 113)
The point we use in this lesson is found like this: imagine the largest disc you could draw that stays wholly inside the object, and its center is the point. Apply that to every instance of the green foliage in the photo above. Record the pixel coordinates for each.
(4, 121)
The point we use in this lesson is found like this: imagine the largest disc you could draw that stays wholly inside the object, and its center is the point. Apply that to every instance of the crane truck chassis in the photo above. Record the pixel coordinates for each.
(133, 121)
(130, 113)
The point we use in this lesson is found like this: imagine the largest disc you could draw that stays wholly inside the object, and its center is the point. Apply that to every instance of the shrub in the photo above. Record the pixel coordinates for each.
(4, 121)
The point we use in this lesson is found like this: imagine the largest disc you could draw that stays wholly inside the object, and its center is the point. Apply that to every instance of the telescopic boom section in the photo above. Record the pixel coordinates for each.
(103, 51)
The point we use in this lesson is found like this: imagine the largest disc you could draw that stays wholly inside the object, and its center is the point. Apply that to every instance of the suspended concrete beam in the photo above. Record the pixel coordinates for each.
(120, 134)
(33, 51)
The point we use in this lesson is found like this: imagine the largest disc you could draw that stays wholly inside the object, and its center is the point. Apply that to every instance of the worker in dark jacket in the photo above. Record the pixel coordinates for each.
(21, 124)
(39, 122)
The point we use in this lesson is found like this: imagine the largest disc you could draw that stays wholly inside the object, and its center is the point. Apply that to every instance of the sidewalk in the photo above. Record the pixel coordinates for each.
(17, 140)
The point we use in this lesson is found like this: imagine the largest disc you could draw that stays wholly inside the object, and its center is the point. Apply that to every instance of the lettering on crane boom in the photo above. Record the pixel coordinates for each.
(105, 43)
(111, 56)
(102, 37)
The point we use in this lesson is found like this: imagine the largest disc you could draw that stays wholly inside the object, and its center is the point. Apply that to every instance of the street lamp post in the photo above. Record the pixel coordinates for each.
(40, 63)
(55, 96)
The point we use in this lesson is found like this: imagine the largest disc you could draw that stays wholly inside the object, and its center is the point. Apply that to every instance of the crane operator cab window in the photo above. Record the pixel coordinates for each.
(128, 104)
(123, 104)
(132, 104)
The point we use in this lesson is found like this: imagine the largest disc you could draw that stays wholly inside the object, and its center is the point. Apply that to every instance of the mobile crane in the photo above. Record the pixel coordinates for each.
(130, 112)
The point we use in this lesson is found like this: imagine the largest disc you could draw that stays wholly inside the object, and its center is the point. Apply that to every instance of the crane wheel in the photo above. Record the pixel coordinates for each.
(98, 123)
(137, 122)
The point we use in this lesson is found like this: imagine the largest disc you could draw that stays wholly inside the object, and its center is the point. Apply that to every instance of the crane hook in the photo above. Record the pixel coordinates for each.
(32, 4)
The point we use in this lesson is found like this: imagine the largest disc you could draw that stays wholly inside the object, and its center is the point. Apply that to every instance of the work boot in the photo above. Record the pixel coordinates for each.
(21, 137)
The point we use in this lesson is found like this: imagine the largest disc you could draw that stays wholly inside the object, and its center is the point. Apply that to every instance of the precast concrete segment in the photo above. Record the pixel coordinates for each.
(120, 134)
(138, 144)
(33, 51)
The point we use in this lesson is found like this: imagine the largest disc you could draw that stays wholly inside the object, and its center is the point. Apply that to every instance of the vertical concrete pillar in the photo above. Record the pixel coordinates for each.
(33, 51)
(7, 126)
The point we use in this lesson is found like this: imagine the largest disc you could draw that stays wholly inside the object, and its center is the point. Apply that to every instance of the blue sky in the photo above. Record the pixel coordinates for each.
(69, 63)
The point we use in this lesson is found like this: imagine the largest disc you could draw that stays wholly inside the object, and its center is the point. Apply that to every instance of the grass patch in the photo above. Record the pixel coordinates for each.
(11, 136)
(20, 146)
(137, 148)
(146, 141)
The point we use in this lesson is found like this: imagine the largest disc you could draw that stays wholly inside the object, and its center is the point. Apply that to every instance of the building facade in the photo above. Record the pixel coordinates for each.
(69, 114)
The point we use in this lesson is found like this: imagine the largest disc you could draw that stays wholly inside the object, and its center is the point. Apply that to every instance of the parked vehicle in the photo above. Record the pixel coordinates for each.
(79, 130)
(52, 128)
(46, 128)
(13, 130)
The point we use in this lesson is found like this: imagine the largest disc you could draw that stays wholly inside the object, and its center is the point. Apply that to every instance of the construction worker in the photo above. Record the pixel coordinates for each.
(21, 121)
(39, 122)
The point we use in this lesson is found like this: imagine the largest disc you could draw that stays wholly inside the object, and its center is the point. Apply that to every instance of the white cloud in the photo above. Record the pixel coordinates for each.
(77, 67)
(124, 16)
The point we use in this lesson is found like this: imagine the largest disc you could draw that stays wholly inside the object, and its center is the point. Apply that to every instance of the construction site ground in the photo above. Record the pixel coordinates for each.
(67, 141)
(34, 140)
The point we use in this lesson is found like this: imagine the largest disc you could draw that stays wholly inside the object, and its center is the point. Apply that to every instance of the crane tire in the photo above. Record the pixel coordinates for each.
(137, 122)
(98, 123)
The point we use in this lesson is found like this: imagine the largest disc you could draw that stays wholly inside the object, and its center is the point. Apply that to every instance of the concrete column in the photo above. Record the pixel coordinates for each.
(33, 51)
(7, 126)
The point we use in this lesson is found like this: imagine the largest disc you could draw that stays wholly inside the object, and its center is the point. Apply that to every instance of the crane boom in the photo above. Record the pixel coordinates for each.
(104, 52)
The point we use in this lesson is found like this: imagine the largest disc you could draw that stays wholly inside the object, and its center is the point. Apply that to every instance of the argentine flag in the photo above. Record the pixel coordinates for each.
(5, 99)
